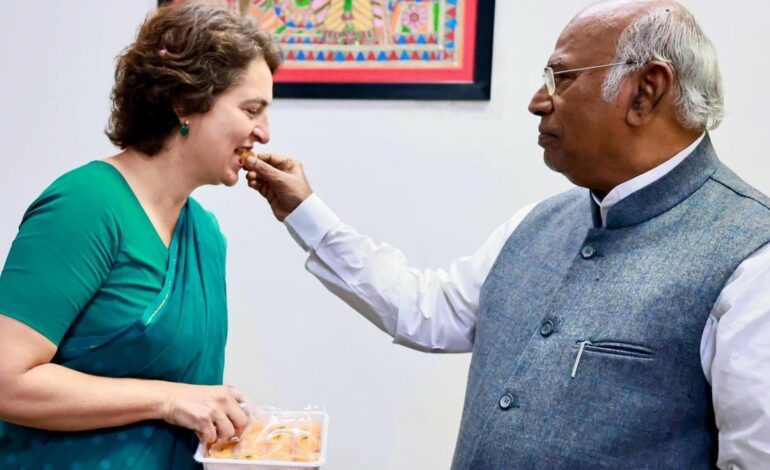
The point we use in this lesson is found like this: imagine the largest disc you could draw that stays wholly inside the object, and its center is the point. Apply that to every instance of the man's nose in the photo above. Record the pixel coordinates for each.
(541, 103)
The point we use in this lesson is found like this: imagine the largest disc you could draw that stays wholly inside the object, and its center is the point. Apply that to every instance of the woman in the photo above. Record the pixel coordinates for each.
(112, 299)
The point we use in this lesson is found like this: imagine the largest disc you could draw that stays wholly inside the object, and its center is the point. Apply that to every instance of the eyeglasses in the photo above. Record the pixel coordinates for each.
(549, 74)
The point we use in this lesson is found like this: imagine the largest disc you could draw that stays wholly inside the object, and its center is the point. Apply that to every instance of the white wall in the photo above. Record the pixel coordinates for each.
(431, 178)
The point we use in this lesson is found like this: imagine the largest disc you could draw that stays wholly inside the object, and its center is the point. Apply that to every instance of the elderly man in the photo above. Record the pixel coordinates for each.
(622, 324)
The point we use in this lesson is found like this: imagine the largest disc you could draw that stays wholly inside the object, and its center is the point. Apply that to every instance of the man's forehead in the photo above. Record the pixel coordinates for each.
(593, 33)
(585, 41)
(616, 9)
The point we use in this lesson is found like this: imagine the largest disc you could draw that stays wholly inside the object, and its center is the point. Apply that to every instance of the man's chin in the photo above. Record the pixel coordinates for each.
(552, 161)
(556, 163)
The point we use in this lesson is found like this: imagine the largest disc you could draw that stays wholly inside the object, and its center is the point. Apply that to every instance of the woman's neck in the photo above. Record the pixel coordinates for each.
(159, 182)
(161, 178)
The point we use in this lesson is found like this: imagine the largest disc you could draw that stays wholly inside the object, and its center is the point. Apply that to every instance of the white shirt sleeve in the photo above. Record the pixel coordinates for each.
(740, 370)
(436, 310)
(429, 310)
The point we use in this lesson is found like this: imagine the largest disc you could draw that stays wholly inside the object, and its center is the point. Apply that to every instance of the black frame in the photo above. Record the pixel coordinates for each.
(479, 90)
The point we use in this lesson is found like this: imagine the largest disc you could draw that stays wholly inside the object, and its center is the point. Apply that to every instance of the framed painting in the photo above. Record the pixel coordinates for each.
(379, 49)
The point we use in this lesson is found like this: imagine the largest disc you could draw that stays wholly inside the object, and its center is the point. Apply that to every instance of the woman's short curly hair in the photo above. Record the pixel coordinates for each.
(185, 54)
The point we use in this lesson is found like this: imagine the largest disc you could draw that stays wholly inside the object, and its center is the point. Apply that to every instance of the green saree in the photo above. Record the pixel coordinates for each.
(179, 338)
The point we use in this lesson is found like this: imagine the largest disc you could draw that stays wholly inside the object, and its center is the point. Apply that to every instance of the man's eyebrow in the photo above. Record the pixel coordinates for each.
(556, 62)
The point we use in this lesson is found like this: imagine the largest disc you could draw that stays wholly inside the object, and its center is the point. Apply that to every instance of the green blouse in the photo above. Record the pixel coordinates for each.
(86, 261)
(89, 271)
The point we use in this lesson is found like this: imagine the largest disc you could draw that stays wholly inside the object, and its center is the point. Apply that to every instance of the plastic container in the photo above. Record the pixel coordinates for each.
(242, 464)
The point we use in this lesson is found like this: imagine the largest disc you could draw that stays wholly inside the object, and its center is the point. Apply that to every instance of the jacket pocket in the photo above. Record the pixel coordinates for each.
(617, 348)
(610, 348)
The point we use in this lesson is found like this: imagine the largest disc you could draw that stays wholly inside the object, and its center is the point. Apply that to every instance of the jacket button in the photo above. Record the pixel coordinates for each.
(546, 328)
(587, 252)
(506, 401)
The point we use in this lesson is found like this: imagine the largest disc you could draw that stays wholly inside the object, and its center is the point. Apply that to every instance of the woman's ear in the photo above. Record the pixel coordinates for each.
(180, 113)
(652, 92)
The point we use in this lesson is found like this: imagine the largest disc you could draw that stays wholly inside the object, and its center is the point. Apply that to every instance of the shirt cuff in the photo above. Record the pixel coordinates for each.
(309, 223)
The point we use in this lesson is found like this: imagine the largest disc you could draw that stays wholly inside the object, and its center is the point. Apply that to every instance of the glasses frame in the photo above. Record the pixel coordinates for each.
(549, 75)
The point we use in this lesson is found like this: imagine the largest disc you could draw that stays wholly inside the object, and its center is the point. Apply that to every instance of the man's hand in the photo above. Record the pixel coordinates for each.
(280, 180)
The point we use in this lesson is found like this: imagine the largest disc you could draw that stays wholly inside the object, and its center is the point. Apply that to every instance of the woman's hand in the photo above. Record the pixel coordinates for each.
(213, 412)
(38, 394)
(280, 180)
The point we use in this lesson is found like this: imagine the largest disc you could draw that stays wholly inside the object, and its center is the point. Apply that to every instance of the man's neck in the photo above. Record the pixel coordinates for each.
(642, 156)
(625, 189)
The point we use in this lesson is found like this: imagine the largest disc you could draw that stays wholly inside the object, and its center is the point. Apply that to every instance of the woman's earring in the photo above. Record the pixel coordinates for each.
(185, 128)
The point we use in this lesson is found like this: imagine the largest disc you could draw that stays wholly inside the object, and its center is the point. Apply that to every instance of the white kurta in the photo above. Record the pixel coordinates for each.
(436, 310)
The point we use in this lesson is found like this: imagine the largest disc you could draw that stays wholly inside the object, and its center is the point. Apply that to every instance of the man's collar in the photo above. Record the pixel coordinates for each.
(627, 188)
(664, 193)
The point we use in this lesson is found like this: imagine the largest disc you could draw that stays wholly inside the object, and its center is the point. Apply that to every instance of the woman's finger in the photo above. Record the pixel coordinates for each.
(238, 418)
(225, 429)
(239, 396)
(207, 433)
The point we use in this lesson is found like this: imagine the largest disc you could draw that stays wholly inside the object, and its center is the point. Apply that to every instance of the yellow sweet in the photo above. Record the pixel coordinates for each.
(275, 438)
(223, 450)
(243, 154)
(307, 443)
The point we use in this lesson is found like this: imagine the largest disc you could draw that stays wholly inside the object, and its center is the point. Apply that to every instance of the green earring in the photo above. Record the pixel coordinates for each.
(185, 128)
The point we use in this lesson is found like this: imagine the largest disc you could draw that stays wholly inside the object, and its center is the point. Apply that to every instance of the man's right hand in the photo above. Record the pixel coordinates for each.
(281, 180)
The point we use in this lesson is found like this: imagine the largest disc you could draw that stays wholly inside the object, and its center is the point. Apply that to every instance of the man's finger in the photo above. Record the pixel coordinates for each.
(271, 176)
(265, 171)
(277, 161)
(259, 186)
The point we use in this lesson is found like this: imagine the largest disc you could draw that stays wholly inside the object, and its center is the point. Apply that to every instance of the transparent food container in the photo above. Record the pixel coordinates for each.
(273, 440)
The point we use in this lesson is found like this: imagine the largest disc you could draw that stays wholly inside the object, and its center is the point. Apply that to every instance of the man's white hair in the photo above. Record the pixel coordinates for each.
(672, 35)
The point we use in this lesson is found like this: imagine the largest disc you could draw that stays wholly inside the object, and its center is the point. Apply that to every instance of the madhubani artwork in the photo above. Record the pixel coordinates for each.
(379, 42)
(375, 32)
(383, 32)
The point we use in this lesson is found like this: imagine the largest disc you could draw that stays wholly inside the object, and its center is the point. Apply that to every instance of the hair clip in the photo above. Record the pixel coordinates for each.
(162, 52)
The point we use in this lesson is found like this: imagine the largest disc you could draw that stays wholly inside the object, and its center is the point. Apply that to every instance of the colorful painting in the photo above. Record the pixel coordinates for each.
(379, 48)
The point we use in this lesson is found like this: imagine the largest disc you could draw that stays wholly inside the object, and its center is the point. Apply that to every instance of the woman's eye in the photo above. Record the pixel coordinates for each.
(252, 112)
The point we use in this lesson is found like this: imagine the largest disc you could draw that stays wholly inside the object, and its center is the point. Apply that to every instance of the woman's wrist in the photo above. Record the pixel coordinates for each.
(158, 401)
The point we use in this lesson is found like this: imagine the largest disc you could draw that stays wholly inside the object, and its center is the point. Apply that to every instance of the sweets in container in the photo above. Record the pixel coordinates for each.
(273, 439)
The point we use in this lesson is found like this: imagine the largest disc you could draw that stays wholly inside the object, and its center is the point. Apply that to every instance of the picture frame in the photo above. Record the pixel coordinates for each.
(379, 49)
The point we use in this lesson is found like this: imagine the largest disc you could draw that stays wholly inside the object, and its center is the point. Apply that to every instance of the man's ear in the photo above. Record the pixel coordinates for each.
(653, 89)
